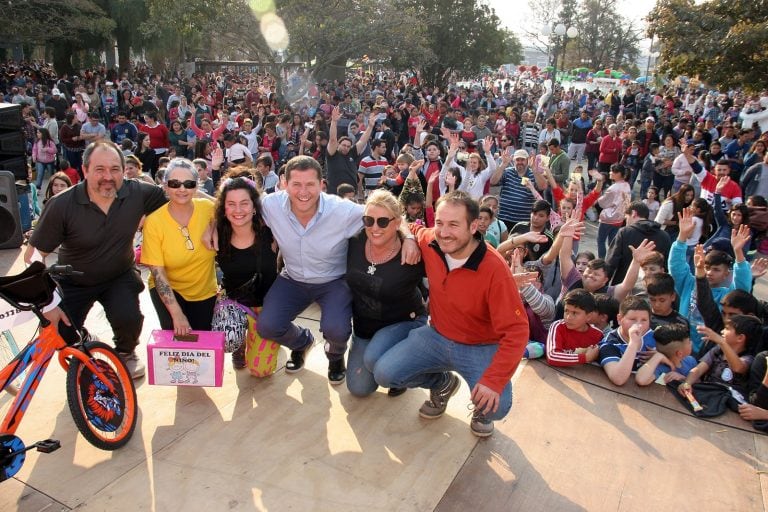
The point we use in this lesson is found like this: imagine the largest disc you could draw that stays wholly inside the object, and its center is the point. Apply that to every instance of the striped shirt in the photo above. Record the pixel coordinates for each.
(515, 199)
(562, 343)
(371, 170)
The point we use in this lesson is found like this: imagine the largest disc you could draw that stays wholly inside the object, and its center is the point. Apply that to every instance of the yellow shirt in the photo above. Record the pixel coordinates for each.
(190, 273)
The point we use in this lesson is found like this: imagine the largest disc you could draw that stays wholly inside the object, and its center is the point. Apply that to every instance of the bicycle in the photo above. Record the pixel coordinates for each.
(100, 391)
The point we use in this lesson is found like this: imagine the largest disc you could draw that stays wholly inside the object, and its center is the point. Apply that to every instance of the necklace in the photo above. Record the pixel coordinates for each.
(369, 257)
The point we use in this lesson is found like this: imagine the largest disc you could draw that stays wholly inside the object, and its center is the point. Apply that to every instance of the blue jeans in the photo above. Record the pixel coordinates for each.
(287, 298)
(41, 170)
(421, 360)
(605, 235)
(364, 353)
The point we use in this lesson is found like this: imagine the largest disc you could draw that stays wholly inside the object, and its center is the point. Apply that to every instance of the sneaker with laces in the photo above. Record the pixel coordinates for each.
(438, 398)
(480, 425)
(133, 364)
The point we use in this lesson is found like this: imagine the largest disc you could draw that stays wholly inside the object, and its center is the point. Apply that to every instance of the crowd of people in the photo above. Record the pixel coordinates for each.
(438, 229)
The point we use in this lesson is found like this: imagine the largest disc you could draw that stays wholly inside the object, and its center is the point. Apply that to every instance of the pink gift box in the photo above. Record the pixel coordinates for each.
(196, 359)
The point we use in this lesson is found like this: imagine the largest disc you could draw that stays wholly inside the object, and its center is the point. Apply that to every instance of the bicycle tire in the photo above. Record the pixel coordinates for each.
(106, 420)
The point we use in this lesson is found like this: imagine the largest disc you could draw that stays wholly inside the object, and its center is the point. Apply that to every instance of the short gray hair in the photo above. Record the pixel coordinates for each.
(180, 162)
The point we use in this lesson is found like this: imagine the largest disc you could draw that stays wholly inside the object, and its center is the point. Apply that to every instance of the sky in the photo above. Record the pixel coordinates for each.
(515, 14)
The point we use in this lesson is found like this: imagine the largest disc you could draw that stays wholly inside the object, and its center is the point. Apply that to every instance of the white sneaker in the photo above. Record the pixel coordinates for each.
(133, 364)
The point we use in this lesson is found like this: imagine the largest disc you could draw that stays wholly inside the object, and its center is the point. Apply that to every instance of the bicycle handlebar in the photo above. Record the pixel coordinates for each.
(63, 270)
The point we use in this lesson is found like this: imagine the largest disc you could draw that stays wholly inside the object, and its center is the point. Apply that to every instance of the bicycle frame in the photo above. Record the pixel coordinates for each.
(36, 356)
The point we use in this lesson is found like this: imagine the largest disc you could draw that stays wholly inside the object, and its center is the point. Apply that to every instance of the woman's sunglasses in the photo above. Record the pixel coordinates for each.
(189, 184)
(382, 222)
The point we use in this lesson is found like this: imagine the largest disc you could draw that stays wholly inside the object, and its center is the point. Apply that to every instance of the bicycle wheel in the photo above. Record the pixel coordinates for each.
(105, 419)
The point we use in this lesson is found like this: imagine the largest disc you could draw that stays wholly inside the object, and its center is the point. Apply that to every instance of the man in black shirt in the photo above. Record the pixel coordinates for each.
(94, 222)
(342, 155)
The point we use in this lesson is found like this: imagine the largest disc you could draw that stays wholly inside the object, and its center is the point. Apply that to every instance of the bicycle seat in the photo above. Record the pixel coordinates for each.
(33, 287)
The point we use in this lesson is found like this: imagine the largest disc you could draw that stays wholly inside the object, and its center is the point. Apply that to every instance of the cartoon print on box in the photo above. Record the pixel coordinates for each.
(176, 370)
(191, 368)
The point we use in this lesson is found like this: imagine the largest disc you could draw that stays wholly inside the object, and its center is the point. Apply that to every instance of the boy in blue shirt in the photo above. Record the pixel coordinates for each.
(722, 274)
(672, 358)
(620, 351)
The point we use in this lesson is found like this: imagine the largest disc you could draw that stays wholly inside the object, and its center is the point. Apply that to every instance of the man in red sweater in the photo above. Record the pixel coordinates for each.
(478, 326)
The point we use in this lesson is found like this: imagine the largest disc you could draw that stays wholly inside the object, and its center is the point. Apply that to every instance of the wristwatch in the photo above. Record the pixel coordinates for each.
(409, 237)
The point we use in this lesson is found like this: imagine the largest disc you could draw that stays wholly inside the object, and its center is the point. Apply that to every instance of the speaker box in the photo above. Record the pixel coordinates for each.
(13, 155)
(11, 236)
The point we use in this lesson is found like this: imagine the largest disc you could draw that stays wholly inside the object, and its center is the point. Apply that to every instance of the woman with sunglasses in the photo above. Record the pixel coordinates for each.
(183, 281)
(386, 301)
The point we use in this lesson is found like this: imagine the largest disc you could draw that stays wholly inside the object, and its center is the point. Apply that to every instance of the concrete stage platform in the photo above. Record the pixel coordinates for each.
(295, 443)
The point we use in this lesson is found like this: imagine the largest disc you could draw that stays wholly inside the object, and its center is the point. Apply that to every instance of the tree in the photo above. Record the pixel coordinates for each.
(606, 39)
(326, 35)
(463, 37)
(66, 26)
(725, 43)
(127, 15)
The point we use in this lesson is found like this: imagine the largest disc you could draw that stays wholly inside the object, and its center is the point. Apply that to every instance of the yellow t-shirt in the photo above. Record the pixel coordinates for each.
(190, 273)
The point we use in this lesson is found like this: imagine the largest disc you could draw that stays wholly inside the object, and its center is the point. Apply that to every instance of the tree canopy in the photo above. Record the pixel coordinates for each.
(725, 43)
(439, 38)
(461, 37)
(605, 39)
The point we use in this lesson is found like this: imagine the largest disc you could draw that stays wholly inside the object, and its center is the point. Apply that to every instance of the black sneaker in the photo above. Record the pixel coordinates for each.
(438, 398)
(337, 372)
(299, 357)
(393, 392)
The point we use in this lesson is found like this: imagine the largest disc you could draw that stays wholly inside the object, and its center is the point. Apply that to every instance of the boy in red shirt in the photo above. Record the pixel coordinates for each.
(573, 340)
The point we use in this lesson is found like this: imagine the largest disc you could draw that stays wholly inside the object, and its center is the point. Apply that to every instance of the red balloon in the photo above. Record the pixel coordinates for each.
(607, 71)
(522, 68)
(534, 68)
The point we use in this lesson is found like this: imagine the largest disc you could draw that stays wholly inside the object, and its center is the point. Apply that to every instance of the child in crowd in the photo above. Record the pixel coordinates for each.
(607, 308)
(662, 296)
(204, 181)
(722, 274)
(582, 261)
(573, 340)
(264, 165)
(621, 347)
(652, 201)
(71, 172)
(729, 361)
(497, 228)
(484, 220)
(672, 357)
(346, 191)
(58, 183)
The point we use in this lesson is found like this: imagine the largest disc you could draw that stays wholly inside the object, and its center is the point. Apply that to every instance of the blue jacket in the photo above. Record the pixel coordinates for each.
(685, 286)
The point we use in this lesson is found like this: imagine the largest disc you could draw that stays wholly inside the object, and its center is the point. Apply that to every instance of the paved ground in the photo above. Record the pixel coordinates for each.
(292, 442)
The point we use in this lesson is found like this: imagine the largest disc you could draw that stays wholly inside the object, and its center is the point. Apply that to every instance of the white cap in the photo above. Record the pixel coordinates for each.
(56, 92)
(521, 153)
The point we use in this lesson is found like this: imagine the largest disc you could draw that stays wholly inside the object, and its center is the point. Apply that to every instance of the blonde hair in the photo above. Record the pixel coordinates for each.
(480, 163)
(384, 199)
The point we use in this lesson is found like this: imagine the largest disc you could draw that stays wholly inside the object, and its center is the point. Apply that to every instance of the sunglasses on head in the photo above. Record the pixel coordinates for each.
(382, 222)
(189, 184)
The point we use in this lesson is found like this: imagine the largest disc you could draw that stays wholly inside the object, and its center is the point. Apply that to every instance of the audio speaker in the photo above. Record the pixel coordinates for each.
(13, 155)
(11, 236)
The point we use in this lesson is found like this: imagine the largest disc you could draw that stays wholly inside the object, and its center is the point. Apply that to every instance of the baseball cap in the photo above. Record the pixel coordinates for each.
(651, 119)
(521, 153)
(56, 92)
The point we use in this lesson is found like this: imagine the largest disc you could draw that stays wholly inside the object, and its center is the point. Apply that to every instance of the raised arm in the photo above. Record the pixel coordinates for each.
(506, 158)
(366, 134)
(333, 141)
(639, 254)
